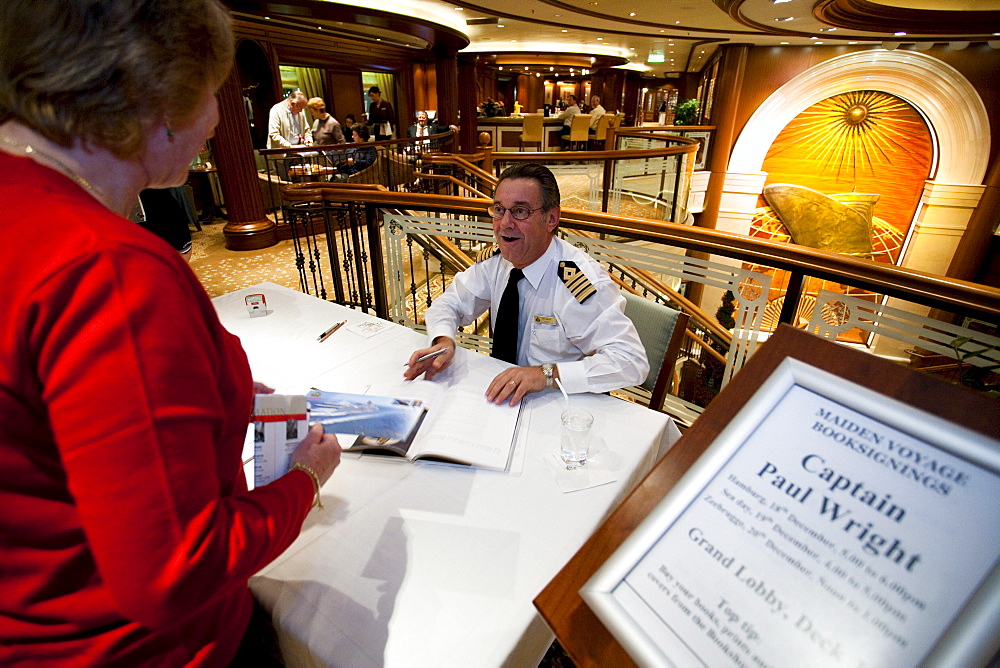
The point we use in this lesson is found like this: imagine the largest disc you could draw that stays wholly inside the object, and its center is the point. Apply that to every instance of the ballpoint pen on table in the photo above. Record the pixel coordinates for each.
(325, 335)
(428, 356)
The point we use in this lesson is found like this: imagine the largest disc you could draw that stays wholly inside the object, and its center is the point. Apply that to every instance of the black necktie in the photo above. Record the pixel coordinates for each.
(505, 332)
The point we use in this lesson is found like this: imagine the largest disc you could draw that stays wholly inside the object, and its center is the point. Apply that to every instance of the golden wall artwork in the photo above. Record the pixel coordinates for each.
(861, 141)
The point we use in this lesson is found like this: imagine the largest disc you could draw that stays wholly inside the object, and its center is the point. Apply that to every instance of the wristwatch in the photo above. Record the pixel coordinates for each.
(548, 370)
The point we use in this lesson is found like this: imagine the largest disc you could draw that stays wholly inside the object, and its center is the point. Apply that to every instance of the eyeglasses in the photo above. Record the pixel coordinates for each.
(519, 212)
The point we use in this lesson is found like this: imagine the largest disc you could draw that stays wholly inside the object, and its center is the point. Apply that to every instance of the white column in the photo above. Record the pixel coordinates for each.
(942, 218)
(738, 204)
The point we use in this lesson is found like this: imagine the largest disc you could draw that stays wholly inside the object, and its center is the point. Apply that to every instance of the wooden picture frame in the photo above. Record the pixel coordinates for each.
(589, 642)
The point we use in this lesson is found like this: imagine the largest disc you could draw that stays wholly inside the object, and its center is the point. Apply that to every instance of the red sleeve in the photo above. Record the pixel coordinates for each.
(149, 400)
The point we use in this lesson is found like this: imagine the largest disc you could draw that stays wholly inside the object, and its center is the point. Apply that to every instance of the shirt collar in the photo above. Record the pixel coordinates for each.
(535, 271)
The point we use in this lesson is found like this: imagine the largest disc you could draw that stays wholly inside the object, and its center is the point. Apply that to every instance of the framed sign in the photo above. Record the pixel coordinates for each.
(825, 524)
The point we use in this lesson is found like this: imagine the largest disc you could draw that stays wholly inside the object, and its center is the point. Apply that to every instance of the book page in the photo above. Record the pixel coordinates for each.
(463, 426)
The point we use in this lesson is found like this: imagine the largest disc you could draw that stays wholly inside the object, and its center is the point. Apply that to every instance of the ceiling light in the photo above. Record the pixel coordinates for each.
(827, 29)
(899, 34)
(631, 13)
(785, 18)
(459, 9)
(600, 39)
(564, 30)
(782, 42)
(779, 2)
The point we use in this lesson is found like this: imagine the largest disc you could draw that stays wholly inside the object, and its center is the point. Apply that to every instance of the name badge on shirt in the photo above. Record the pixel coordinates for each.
(545, 320)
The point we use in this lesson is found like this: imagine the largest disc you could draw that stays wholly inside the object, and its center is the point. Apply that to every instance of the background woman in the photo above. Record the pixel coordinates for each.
(127, 536)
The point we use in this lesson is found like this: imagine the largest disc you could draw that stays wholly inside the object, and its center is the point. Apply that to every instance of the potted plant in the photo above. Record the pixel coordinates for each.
(684, 112)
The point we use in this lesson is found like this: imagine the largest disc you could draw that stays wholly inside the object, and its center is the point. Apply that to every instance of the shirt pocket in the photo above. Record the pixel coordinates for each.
(547, 341)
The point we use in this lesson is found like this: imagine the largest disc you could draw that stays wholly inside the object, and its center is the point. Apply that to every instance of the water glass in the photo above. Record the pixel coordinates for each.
(575, 441)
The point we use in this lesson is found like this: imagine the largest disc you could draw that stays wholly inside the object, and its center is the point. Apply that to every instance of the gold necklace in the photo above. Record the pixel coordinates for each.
(59, 166)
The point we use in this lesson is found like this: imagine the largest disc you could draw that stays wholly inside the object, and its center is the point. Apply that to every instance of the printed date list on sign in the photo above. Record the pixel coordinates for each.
(827, 525)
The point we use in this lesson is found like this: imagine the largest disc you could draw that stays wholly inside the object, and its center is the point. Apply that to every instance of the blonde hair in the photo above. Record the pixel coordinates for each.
(105, 72)
(316, 103)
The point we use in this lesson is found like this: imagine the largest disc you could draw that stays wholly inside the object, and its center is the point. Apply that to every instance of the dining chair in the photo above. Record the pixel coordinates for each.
(661, 330)
(601, 131)
(532, 130)
(579, 130)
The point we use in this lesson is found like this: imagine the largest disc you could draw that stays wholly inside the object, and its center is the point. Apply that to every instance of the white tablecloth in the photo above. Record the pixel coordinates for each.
(427, 564)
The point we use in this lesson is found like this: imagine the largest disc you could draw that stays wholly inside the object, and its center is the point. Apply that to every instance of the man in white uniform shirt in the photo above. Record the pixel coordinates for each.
(571, 320)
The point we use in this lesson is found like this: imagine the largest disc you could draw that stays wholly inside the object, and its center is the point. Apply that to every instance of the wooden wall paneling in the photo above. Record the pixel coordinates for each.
(344, 94)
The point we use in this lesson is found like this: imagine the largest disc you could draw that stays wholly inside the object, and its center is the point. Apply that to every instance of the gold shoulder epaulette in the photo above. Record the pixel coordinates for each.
(488, 252)
(575, 281)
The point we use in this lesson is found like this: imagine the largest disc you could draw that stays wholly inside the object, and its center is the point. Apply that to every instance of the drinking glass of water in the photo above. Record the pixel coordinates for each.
(575, 441)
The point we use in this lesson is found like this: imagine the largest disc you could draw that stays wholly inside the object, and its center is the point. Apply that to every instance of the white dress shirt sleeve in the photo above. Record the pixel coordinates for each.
(613, 355)
(467, 298)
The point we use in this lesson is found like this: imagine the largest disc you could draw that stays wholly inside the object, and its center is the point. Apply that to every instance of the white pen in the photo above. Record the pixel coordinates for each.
(428, 356)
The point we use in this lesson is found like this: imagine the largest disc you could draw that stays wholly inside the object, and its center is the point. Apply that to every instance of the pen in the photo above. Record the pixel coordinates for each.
(428, 356)
(328, 333)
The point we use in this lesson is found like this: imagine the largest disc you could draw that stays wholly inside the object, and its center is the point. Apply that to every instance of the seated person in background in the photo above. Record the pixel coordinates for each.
(423, 127)
(596, 111)
(566, 116)
(349, 122)
(357, 158)
(325, 128)
(570, 317)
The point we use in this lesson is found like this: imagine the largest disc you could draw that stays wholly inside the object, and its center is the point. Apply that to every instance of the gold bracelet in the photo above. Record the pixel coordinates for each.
(315, 478)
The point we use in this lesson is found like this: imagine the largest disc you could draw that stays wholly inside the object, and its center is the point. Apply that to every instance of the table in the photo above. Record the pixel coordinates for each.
(426, 564)
(505, 132)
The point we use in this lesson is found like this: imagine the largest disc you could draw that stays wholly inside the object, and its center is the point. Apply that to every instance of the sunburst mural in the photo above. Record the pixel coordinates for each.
(855, 132)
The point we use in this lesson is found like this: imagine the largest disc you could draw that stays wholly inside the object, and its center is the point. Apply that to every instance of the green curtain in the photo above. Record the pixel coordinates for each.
(310, 81)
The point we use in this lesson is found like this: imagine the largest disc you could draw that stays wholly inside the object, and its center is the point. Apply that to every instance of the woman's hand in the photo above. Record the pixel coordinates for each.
(319, 451)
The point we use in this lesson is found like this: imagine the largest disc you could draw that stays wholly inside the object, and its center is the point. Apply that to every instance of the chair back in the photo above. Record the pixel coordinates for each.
(580, 129)
(616, 122)
(532, 128)
(661, 330)
(601, 131)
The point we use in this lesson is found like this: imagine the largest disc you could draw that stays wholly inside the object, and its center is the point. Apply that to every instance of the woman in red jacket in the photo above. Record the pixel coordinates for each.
(127, 534)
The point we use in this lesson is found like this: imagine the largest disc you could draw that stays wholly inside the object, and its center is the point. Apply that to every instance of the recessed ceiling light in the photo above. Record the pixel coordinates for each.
(782, 42)
(500, 25)
(600, 39)
(899, 34)
(564, 30)
(459, 9)
(827, 29)
(818, 42)
(631, 13)
(785, 18)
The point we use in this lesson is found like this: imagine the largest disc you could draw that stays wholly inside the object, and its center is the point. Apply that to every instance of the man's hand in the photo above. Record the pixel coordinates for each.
(514, 383)
(433, 366)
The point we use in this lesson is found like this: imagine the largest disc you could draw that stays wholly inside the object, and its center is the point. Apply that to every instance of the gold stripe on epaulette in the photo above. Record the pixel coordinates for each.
(488, 252)
(576, 281)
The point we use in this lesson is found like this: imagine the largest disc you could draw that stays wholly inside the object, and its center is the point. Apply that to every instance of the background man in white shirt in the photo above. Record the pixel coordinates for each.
(571, 321)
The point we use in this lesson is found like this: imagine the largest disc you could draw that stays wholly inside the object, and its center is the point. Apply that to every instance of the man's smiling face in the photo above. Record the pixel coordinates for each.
(523, 241)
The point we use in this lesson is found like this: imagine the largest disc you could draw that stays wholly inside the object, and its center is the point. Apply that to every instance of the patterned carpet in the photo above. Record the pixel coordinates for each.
(221, 270)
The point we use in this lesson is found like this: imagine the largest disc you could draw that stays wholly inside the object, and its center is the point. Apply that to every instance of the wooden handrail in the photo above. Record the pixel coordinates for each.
(942, 292)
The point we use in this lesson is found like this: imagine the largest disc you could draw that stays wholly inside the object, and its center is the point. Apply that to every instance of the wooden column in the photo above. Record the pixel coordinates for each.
(248, 228)
(466, 103)
(726, 107)
(972, 249)
(446, 73)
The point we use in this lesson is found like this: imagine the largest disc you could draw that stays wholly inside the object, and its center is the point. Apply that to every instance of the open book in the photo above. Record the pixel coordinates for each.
(433, 422)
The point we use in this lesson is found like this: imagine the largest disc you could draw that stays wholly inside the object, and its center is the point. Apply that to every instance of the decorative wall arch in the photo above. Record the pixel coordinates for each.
(953, 108)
